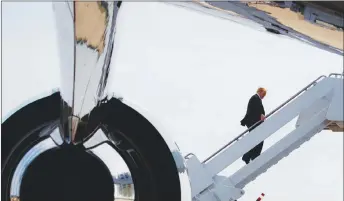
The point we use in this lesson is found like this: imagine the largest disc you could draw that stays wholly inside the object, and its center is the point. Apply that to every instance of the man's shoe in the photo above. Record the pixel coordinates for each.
(247, 161)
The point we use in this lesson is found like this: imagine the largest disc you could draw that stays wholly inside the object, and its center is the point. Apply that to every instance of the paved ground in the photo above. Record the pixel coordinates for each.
(91, 24)
(248, 15)
(296, 21)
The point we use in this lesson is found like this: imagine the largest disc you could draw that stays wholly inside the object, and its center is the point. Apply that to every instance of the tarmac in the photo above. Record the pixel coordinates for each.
(246, 15)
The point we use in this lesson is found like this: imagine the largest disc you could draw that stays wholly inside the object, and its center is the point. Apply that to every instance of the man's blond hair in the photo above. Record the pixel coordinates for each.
(261, 89)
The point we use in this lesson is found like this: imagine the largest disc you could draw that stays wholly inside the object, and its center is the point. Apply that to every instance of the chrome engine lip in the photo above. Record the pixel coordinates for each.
(31, 155)
(39, 148)
(185, 185)
(52, 142)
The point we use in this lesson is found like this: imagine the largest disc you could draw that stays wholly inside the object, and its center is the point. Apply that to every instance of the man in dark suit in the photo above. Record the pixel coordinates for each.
(255, 113)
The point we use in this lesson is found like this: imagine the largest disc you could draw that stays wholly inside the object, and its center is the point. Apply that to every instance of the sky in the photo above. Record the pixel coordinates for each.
(195, 73)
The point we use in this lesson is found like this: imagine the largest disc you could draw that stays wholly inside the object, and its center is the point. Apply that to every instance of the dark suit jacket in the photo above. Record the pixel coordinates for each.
(255, 109)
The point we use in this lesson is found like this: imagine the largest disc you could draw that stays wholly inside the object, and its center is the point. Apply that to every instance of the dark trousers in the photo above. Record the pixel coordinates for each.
(255, 151)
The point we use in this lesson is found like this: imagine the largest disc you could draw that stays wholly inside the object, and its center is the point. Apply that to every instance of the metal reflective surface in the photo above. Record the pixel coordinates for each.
(123, 183)
(95, 140)
(35, 151)
(85, 33)
(85, 39)
(122, 179)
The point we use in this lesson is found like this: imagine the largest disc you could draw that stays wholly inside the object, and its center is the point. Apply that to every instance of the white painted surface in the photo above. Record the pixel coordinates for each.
(335, 112)
(195, 73)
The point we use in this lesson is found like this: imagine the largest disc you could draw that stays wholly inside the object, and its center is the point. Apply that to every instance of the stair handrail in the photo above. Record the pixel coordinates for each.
(267, 116)
(336, 74)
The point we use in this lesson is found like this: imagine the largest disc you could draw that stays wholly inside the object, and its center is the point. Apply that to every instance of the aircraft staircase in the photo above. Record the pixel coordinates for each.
(318, 106)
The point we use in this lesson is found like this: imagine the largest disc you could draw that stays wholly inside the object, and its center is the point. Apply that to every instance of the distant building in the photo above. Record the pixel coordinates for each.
(124, 178)
(124, 186)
